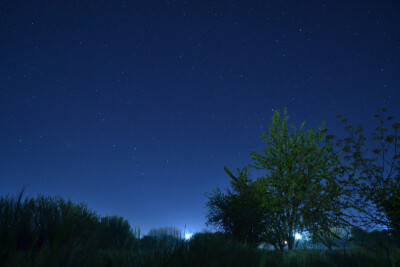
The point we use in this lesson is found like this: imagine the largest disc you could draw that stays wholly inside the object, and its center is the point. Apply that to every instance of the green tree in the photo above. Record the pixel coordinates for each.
(302, 186)
(300, 191)
(373, 168)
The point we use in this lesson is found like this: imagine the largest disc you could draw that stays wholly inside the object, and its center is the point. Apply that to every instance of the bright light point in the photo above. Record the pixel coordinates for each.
(297, 236)
(188, 236)
(285, 242)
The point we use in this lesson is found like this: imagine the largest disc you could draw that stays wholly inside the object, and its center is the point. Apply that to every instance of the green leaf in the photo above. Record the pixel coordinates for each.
(377, 151)
(359, 130)
(339, 116)
(330, 137)
(346, 148)
(390, 139)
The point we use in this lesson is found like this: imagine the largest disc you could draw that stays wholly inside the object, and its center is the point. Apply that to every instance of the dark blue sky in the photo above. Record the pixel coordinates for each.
(134, 107)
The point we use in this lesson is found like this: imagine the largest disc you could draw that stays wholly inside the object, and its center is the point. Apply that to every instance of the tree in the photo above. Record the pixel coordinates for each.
(239, 211)
(116, 233)
(300, 191)
(302, 186)
(373, 169)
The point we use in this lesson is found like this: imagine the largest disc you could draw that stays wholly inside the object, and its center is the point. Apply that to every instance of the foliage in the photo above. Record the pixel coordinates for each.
(161, 239)
(301, 182)
(375, 239)
(116, 233)
(373, 167)
(105, 242)
(219, 249)
(165, 231)
(301, 190)
(58, 230)
(239, 212)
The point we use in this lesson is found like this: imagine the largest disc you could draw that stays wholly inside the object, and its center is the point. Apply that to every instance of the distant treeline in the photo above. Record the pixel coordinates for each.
(50, 231)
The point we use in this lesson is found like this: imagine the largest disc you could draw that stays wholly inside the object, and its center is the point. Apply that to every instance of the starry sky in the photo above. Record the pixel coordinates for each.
(134, 107)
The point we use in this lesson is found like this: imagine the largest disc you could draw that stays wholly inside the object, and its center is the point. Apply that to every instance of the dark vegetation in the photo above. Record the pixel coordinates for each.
(53, 232)
(313, 183)
(332, 191)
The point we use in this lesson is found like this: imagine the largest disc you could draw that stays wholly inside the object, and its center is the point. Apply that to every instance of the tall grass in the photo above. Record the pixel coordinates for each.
(57, 231)
(50, 231)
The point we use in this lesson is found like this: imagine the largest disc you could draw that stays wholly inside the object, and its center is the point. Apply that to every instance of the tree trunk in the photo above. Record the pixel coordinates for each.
(290, 243)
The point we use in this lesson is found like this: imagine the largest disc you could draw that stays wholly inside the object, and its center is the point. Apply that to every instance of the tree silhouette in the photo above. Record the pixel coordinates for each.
(373, 169)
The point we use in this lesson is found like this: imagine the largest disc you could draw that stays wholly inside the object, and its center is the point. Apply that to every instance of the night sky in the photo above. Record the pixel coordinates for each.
(134, 107)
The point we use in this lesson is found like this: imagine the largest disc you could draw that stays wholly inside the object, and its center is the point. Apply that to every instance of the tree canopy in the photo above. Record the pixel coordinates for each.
(239, 212)
(300, 191)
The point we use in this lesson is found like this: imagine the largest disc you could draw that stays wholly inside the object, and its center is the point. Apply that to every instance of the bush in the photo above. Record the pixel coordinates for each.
(51, 227)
